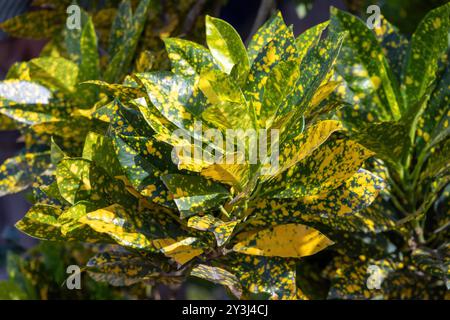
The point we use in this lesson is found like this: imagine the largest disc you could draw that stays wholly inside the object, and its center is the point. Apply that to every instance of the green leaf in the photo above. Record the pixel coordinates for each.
(122, 22)
(117, 91)
(438, 166)
(315, 68)
(39, 24)
(90, 61)
(175, 97)
(359, 272)
(236, 175)
(305, 143)
(56, 153)
(30, 103)
(227, 48)
(280, 49)
(428, 44)
(286, 240)
(10, 290)
(72, 40)
(121, 61)
(55, 73)
(121, 268)
(435, 263)
(337, 209)
(41, 222)
(99, 149)
(117, 223)
(188, 58)
(23, 92)
(273, 28)
(389, 140)
(397, 280)
(329, 166)
(364, 52)
(72, 228)
(18, 71)
(280, 83)
(193, 194)
(270, 275)
(73, 177)
(6, 123)
(394, 45)
(144, 160)
(433, 125)
(219, 276)
(229, 108)
(180, 250)
(222, 230)
(345, 208)
(17, 173)
(310, 38)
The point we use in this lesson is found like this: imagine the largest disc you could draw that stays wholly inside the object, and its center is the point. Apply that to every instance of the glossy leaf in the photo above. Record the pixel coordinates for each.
(364, 45)
(181, 251)
(188, 58)
(41, 222)
(219, 276)
(288, 241)
(193, 194)
(222, 230)
(334, 162)
(121, 60)
(428, 43)
(17, 173)
(227, 48)
(272, 276)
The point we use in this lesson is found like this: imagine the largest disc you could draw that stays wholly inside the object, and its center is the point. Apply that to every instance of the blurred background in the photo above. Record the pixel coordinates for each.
(246, 16)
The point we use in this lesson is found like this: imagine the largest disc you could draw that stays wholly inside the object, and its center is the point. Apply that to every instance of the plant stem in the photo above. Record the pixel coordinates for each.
(419, 231)
(225, 215)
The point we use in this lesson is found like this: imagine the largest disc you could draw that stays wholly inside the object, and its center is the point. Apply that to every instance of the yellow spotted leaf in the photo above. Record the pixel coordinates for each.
(289, 240)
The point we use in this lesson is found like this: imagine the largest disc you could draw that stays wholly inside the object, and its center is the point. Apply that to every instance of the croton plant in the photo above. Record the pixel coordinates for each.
(358, 113)
(397, 91)
(60, 106)
(50, 96)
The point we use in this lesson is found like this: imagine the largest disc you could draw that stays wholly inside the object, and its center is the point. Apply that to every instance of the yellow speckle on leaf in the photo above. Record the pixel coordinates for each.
(437, 23)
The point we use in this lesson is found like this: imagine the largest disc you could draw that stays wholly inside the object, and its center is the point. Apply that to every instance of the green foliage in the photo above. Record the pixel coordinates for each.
(399, 94)
(50, 100)
(243, 225)
(41, 275)
(54, 95)
(405, 14)
(362, 123)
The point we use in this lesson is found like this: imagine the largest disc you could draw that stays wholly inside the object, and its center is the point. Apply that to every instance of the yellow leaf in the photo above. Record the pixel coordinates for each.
(236, 175)
(222, 230)
(305, 143)
(288, 241)
(180, 251)
(323, 92)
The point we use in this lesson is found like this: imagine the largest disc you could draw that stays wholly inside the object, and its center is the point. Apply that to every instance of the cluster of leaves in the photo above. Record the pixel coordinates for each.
(49, 99)
(405, 14)
(397, 91)
(165, 18)
(53, 95)
(243, 225)
(108, 175)
(40, 274)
